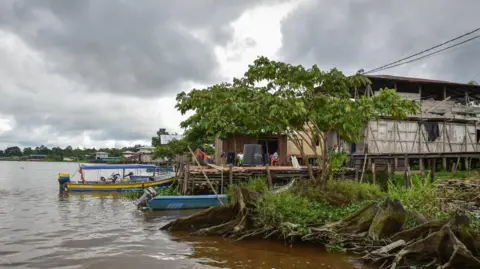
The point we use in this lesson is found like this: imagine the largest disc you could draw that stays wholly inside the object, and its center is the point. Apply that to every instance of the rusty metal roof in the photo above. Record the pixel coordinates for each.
(419, 80)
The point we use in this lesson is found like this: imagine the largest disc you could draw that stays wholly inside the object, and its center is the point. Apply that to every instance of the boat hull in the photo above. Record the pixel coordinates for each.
(185, 202)
(126, 187)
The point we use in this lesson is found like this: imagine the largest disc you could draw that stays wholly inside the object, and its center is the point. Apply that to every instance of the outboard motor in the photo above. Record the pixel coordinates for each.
(114, 177)
(148, 194)
(63, 179)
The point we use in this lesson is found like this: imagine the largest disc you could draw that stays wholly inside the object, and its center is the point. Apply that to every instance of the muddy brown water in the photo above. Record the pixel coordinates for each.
(41, 229)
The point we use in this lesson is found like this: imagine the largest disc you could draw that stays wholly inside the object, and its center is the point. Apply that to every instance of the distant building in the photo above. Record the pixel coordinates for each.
(100, 155)
(128, 154)
(145, 149)
(34, 157)
(145, 154)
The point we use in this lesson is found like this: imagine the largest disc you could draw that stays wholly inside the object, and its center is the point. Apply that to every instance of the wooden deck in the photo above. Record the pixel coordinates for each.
(192, 177)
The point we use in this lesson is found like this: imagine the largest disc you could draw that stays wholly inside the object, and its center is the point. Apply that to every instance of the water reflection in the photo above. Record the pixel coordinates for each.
(41, 229)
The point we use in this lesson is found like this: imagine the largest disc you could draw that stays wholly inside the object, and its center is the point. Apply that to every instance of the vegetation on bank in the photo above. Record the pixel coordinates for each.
(399, 227)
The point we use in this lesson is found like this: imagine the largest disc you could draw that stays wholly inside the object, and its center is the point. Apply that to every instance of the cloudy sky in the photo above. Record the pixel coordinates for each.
(105, 73)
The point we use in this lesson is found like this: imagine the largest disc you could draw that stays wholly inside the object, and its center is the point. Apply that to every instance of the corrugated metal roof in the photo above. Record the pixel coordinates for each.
(419, 80)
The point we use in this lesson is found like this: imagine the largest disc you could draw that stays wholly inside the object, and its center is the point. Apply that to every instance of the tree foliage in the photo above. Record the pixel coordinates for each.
(304, 104)
(57, 153)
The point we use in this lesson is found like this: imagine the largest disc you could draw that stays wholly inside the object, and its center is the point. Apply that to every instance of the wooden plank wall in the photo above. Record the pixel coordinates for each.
(390, 136)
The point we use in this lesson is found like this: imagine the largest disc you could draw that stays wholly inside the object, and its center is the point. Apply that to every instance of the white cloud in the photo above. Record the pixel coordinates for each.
(41, 107)
(256, 33)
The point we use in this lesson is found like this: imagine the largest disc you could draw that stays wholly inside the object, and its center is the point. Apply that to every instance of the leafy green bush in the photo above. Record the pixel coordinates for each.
(338, 192)
(257, 184)
(421, 197)
(277, 208)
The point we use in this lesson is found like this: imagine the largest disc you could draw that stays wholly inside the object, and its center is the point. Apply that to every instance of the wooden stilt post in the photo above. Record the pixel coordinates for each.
(407, 173)
(185, 178)
(467, 168)
(454, 170)
(269, 177)
(374, 172)
(444, 164)
(230, 175)
(206, 177)
(221, 182)
(422, 167)
(433, 167)
(389, 169)
(395, 164)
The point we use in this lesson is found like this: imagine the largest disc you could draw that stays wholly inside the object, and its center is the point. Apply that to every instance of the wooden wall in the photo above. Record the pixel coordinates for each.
(390, 136)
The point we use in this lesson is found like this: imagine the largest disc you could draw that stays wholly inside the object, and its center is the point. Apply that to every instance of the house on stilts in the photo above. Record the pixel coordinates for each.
(446, 132)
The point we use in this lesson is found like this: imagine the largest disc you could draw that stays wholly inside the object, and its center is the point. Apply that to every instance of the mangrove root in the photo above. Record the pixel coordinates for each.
(233, 220)
(373, 232)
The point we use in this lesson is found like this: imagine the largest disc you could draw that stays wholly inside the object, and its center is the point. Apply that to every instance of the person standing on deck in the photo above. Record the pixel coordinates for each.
(240, 158)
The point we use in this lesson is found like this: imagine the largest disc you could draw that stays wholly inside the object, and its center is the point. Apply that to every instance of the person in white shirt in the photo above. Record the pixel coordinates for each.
(240, 158)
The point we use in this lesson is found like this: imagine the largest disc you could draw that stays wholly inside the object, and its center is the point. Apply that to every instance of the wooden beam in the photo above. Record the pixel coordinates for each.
(374, 173)
(206, 177)
(415, 137)
(395, 136)
(269, 177)
(373, 137)
(422, 167)
(433, 168)
(230, 175)
(400, 138)
(426, 141)
(407, 174)
(448, 138)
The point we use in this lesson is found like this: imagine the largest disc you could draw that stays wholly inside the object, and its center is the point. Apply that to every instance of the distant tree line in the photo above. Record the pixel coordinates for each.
(58, 153)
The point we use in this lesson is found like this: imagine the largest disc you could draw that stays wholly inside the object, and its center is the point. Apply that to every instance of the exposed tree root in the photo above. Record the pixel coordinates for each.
(374, 233)
(233, 221)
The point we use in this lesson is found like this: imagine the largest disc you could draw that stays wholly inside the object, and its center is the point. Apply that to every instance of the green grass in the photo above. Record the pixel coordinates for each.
(257, 184)
(338, 192)
(421, 197)
(306, 203)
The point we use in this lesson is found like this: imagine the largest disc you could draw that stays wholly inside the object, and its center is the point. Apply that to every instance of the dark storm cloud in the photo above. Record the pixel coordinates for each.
(366, 34)
(72, 71)
(127, 47)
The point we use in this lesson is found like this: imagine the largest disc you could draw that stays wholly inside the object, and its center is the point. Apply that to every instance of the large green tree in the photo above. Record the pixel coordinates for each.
(304, 104)
(13, 151)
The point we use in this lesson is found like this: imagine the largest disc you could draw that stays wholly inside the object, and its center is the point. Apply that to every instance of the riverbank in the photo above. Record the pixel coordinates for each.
(346, 216)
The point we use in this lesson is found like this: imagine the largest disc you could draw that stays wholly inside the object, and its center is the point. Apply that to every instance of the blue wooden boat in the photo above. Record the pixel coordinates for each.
(153, 202)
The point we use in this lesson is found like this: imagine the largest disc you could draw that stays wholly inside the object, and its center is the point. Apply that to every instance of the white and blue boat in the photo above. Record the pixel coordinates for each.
(186, 202)
(122, 180)
(149, 201)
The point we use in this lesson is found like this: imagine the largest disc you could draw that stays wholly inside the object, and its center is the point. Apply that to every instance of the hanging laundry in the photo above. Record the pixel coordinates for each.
(432, 129)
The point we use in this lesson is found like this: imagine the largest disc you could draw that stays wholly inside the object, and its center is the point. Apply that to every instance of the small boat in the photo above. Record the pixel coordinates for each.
(149, 201)
(116, 182)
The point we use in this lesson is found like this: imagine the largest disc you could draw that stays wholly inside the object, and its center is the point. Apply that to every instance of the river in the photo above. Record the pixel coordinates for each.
(41, 229)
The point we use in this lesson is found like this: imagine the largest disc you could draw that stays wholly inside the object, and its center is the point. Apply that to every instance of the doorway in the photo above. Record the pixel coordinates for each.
(269, 146)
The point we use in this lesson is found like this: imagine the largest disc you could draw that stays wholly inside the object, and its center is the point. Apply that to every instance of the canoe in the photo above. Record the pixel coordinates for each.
(185, 202)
